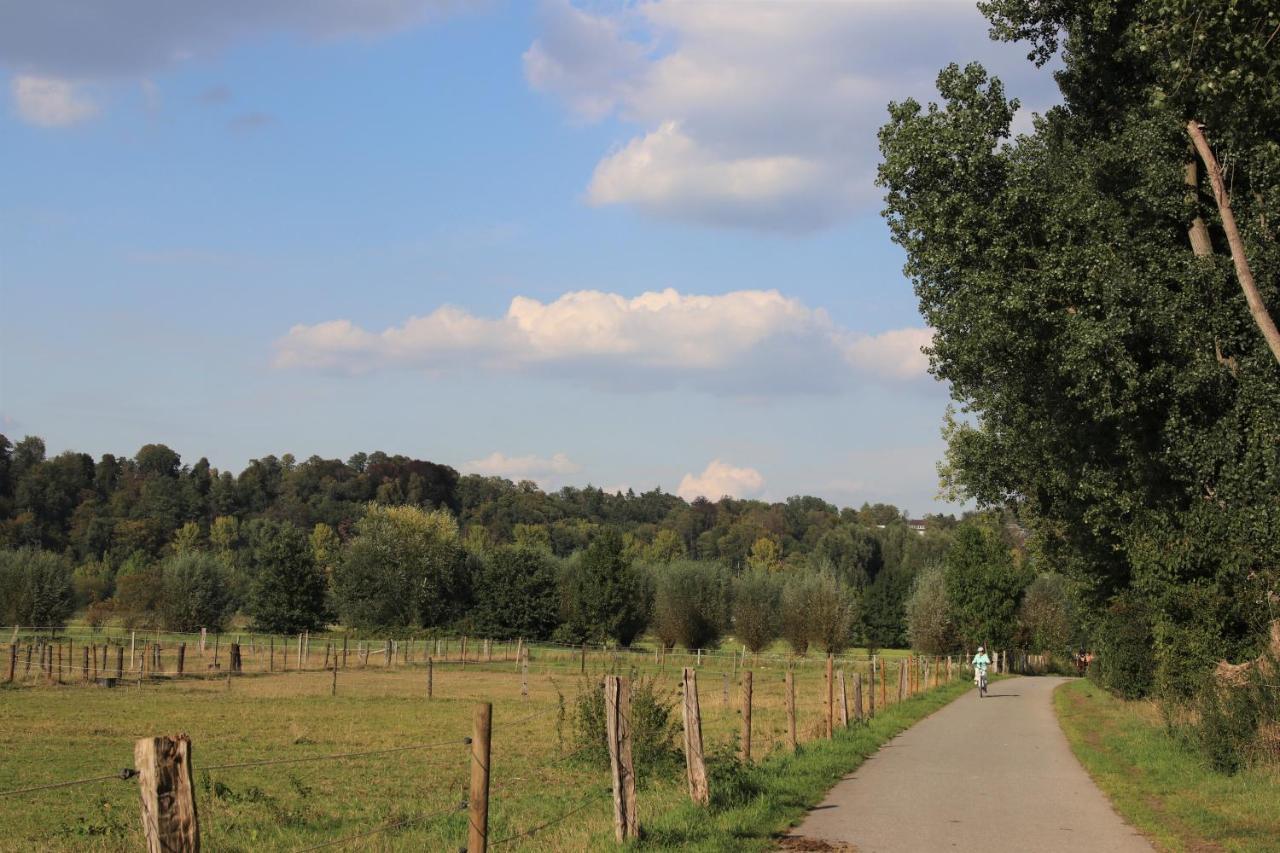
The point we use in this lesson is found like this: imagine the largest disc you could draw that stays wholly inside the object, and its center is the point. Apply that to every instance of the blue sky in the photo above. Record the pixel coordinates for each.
(630, 244)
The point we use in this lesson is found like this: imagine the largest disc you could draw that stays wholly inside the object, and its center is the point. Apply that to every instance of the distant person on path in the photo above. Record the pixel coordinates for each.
(980, 664)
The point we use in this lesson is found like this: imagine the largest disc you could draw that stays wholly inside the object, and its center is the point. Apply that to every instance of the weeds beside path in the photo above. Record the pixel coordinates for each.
(1161, 787)
(752, 805)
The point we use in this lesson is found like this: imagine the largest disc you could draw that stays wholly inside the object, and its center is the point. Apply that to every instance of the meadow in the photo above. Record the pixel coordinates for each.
(293, 731)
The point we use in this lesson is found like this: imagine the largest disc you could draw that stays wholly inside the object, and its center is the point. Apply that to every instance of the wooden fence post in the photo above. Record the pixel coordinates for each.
(724, 697)
(182, 658)
(617, 703)
(857, 696)
(524, 676)
(133, 642)
(478, 800)
(85, 673)
(746, 715)
(694, 761)
(13, 661)
(333, 687)
(344, 652)
(831, 696)
(844, 699)
(169, 820)
(119, 662)
(789, 700)
(902, 681)
(582, 663)
(431, 663)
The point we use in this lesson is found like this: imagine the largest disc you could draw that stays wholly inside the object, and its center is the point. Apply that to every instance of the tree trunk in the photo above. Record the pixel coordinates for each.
(1243, 272)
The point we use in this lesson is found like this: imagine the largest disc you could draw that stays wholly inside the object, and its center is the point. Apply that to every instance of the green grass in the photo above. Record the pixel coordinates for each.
(752, 805)
(55, 732)
(1160, 786)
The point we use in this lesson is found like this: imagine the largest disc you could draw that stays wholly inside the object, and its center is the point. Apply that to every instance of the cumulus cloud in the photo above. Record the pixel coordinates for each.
(89, 40)
(719, 479)
(49, 102)
(760, 114)
(531, 467)
(747, 342)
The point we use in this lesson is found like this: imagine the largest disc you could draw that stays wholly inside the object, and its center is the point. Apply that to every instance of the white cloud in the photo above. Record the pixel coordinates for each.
(531, 467)
(759, 114)
(48, 102)
(719, 479)
(747, 342)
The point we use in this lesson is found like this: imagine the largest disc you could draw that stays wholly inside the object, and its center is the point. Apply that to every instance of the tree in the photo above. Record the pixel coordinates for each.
(766, 555)
(187, 539)
(515, 593)
(1047, 616)
(852, 553)
(1087, 316)
(195, 593)
(757, 598)
(606, 596)
(404, 567)
(832, 612)
(884, 604)
(666, 547)
(929, 624)
(35, 588)
(288, 591)
(983, 588)
(690, 604)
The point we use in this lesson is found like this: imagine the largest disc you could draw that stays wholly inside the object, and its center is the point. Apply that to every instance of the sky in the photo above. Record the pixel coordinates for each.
(631, 244)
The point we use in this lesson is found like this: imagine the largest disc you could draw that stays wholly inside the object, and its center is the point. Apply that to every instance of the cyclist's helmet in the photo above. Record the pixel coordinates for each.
(981, 649)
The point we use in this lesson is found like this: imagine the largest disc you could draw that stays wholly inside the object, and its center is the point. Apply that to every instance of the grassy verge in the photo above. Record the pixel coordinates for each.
(1158, 785)
(752, 805)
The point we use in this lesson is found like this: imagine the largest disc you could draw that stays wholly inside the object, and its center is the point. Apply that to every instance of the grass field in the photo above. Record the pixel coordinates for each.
(53, 733)
(1158, 785)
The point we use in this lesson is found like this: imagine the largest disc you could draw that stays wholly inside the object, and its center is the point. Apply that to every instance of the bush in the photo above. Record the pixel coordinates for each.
(929, 624)
(690, 604)
(1239, 725)
(195, 593)
(653, 726)
(757, 598)
(93, 581)
(1125, 663)
(515, 593)
(817, 608)
(35, 588)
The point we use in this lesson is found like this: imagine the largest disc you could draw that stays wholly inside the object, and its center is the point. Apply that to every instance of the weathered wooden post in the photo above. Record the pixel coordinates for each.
(746, 715)
(902, 680)
(182, 658)
(695, 763)
(170, 823)
(844, 699)
(333, 687)
(831, 696)
(617, 703)
(119, 662)
(478, 799)
(13, 661)
(431, 662)
(582, 663)
(857, 696)
(524, 676)
(789, 700)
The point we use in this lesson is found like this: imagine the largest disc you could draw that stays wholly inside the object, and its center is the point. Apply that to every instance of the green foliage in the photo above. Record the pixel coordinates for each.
(690, 604)
(605, 597)
(35, 588)
(983, 588)
(195, 593)
(818, 609)
(854, 554)
(93, 581)
(288, 592)
(929, 625)
(1114, 386)
(1047, 619)
(757, 602)
(404, 567)
(1123, 641)
(516, 593)
(1239, 726)
(654, 726)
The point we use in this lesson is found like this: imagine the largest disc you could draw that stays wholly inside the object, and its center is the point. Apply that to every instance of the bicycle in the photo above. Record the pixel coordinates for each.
(982, 683)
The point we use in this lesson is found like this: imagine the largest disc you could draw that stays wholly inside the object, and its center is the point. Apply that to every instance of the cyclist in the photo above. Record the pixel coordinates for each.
(980, 664)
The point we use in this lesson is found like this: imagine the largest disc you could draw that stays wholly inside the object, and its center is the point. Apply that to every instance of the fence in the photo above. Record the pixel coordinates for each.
(767, 714)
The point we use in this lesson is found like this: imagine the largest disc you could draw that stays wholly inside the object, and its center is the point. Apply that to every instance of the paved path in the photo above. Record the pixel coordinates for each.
(993, 774)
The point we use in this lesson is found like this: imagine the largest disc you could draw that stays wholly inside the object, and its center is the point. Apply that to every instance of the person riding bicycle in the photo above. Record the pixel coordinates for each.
(980, 664)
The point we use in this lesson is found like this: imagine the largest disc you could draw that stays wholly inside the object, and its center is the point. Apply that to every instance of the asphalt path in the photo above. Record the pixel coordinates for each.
(993, 774)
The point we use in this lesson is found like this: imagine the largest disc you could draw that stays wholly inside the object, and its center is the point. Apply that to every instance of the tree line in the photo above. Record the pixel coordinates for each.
(385, 542)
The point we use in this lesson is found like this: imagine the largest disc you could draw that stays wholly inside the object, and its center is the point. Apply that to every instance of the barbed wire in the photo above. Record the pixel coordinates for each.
(562, 817)
(124, 774)
(384, 828)
(338, 755)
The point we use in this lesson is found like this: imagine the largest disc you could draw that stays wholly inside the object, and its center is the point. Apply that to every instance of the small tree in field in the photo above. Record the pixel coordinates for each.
(832, 612)
(690, 604)
(605, 596)
(515, 593)
(757, 599)
(288, 590)
(794, 623)
(35, 587)
(928, 615)
(984, 589)
(195, 593)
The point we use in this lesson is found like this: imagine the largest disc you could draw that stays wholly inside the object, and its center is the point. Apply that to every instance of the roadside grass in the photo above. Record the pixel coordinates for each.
(74, 731)
(1161, 787)
(752, 805)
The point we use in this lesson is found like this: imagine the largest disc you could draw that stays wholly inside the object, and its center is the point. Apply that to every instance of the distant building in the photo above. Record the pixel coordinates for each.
(919, 525)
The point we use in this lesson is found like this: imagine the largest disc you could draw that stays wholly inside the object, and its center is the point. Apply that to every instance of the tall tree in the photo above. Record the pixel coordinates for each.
(288, 591)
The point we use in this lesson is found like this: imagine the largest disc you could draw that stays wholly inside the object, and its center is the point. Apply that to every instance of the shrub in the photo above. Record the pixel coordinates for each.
(653, 726)
(35, 588)
(195, 593)
(690, 604)
(1125, 664)
(515, 593)
(1047, 617)
(93, 581)
(757, 598)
